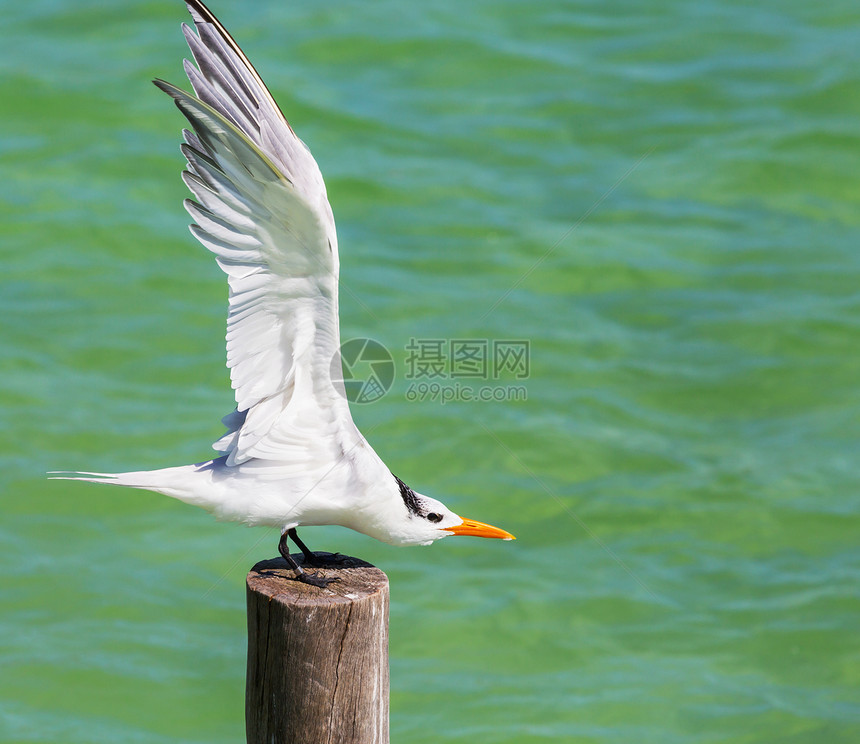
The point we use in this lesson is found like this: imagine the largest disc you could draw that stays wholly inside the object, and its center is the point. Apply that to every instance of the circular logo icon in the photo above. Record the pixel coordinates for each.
(363, 371)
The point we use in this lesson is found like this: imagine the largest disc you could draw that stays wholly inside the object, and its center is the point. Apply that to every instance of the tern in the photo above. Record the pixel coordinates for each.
(292, 455)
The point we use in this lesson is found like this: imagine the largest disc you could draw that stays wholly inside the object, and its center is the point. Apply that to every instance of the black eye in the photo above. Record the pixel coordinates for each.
(434, 517)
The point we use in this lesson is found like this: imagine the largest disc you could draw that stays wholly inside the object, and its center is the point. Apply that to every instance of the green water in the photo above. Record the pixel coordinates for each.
(663, 198)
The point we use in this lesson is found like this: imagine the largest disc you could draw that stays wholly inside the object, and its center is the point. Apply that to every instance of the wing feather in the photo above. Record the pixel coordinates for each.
(223, 59)
(261, 208)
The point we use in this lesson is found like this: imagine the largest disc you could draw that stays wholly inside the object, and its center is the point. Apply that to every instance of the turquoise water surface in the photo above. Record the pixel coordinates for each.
(662, 198)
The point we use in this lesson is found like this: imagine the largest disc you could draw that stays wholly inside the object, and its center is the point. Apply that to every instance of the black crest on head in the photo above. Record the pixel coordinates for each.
(409, 498)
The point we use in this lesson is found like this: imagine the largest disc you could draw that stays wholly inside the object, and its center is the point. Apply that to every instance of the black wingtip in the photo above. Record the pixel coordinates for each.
(195, 7)
(168, 88)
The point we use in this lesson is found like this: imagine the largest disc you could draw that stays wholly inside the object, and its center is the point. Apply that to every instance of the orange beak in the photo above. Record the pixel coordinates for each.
(479, 529)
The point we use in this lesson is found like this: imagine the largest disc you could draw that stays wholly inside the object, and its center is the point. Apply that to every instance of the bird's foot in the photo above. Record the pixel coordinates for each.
(315, 580)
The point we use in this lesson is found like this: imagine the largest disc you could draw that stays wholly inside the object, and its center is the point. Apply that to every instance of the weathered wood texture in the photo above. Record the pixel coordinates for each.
(317, 658)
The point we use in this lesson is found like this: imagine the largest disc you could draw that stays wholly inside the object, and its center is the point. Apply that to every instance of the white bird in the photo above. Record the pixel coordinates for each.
(292, 455)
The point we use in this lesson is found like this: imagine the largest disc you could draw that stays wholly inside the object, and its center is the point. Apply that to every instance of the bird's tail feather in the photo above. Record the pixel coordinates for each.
(132, 480)
(83, 476)
(181, 483)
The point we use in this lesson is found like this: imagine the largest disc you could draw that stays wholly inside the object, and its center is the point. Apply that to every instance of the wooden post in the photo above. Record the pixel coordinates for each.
(317, 658)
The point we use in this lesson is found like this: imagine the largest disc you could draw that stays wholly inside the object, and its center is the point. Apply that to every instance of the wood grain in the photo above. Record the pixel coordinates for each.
(317, 658)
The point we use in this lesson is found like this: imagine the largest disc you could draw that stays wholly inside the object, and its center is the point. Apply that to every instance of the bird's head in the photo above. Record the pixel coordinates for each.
(429, 520)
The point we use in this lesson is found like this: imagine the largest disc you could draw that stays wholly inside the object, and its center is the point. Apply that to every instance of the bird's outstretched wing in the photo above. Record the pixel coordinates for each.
(261, 208)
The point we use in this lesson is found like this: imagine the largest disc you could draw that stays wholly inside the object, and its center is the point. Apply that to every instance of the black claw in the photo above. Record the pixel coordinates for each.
(321, 581)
